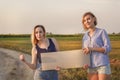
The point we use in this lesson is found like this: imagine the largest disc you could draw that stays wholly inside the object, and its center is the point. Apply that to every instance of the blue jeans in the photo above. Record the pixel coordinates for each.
(46, 75)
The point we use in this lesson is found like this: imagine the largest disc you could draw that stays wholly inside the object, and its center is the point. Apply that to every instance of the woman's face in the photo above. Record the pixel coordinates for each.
(88, 21)
(39, 33)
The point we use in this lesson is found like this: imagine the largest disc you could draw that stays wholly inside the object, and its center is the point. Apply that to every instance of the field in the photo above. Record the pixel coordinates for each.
(66, 42)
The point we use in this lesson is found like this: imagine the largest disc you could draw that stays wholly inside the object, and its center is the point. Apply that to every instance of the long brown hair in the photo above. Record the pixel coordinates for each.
(33, 37)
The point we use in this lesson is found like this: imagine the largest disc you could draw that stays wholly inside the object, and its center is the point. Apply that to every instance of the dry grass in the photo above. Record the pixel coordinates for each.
(24, 45)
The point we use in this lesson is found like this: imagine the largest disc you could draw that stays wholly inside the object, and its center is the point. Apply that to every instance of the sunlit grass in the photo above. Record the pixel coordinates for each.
(23, 44)
(18, 44)
(69, 45)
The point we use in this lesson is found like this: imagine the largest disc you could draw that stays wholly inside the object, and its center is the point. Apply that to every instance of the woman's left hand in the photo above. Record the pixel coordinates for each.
(85, 66)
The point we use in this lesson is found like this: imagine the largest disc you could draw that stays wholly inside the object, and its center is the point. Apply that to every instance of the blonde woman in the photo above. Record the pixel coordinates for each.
(96, 43)
(41, 44)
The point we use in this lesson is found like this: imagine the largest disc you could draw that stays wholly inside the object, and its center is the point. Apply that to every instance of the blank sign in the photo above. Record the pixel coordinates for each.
(64, 59)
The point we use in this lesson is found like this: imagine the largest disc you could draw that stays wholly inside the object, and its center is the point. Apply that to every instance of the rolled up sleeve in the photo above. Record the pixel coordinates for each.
(106, 42)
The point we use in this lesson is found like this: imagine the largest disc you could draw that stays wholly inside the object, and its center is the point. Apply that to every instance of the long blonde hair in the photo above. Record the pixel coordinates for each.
(34, 41)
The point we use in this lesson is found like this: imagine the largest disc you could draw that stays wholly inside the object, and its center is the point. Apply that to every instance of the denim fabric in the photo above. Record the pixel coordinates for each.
(45, 75)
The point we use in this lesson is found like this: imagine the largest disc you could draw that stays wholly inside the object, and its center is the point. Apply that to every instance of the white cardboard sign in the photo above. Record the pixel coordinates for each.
(64, 59)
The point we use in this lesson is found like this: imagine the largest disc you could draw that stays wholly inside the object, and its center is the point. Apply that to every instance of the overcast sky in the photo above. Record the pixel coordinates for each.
(58, 16)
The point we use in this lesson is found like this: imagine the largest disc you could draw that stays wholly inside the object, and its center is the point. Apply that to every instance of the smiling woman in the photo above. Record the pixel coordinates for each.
(96, 43)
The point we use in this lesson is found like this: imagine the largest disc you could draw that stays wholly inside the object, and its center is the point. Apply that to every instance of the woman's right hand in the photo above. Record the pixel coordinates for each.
(22, 58)
(86, 50)
(85, 66)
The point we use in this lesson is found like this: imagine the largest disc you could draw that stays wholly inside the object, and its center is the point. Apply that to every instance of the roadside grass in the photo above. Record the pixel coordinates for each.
(23, 44)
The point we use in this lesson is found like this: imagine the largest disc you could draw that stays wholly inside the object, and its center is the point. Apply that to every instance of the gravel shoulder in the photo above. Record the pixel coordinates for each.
(11, 68)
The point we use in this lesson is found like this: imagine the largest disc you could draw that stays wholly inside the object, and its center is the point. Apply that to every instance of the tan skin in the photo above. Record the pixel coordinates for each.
(43, 43)
(88, 21)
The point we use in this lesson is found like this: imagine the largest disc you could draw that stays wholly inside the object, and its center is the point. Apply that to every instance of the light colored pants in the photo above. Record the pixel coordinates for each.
(100, 70)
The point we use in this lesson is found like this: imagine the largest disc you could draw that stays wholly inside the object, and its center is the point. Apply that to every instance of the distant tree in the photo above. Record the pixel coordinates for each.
(49, 33)
(119, 33)
(113, 33)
